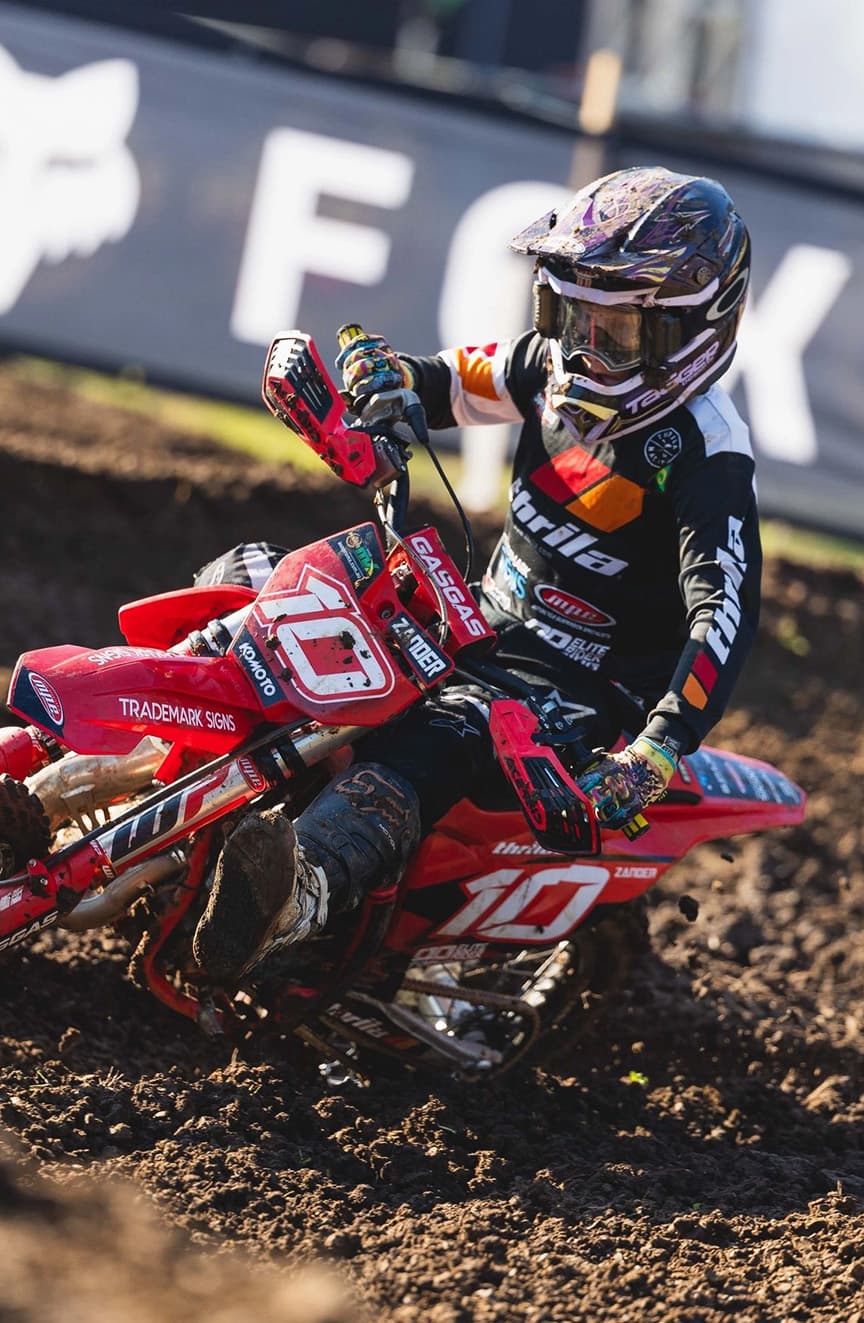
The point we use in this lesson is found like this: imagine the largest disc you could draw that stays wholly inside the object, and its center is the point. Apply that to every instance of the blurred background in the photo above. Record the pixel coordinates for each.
(180, 183)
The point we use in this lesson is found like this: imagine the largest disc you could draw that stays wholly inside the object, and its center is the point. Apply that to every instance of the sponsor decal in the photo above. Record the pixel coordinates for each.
(724, 624)
(645, 872)
(365, 1023)
(576, 609)
(728, 778)
(454, 593)
(176, 714)
(729, 297)
(360, 552)
(566, 539)
(519, 847)
(497, 594)
(514, 569)
(48, 697)
(441, 955)
(584, 651)
(251, 775)
(34, 926)
(662, 447)
(257, 669)
(105, 656)
(174, 816)
(687, 373)
(68, 179)
(426, 660)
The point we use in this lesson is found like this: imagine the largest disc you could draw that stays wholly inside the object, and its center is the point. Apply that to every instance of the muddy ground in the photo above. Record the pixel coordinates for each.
(701, 1153)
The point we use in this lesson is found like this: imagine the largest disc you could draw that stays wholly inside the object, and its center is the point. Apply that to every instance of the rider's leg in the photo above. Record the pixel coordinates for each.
(276, 882)
(249, 564)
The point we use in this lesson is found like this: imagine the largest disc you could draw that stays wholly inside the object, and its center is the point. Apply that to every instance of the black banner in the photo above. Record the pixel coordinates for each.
(172, 208)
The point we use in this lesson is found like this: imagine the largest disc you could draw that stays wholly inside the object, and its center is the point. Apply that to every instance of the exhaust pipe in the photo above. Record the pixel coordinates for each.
(114, 900)
(80, 783)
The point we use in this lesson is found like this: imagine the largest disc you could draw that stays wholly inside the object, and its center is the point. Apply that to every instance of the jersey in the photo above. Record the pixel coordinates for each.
(638, 557)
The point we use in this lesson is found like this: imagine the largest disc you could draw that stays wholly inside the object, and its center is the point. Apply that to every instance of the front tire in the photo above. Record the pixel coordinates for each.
(25, 832)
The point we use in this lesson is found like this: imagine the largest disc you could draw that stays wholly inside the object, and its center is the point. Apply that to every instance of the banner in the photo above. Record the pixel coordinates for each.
(171, 208)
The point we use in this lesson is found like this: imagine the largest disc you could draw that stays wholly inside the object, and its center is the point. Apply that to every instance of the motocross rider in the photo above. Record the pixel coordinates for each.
(626, 580)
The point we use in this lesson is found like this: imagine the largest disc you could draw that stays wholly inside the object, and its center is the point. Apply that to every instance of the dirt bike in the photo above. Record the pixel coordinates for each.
(137, 758)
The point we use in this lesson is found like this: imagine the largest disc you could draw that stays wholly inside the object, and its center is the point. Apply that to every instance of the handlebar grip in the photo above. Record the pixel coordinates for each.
(348, 333)
(635, 827)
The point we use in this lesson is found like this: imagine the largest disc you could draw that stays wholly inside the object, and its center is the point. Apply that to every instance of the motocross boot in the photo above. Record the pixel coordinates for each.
(276, 882)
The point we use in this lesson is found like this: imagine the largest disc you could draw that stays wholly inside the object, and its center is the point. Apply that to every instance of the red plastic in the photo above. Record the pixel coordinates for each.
(22, 751)
(511, 891)
(161, 621)
(297, 389)
(467, 626)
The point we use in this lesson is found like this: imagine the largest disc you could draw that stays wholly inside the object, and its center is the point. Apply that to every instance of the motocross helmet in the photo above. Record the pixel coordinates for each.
(639, 288)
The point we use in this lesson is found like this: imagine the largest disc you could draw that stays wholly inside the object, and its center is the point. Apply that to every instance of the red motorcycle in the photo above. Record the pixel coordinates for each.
(116, 796)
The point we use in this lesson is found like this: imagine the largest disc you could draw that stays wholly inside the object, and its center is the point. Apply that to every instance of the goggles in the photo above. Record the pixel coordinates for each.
(612, 335)
(621, 330)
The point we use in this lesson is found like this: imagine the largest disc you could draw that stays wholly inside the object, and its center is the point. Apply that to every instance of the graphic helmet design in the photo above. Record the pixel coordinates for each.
(639, 289)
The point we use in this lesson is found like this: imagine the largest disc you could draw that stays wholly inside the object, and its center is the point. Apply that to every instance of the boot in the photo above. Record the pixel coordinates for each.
(276, 883)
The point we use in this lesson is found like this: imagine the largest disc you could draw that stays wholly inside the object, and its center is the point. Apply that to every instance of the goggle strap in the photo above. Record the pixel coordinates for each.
(545, 308)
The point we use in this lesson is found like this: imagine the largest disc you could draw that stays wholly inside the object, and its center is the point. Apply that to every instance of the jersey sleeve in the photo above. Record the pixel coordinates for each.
(476, 384)
(714, 501)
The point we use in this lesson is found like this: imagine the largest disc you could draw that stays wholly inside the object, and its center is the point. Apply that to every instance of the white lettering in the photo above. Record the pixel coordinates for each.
(504, 905)
(454, 594)
(176, 714)
(774, 334)
(580, 548)
(67, 178)
(287, 237)
(727, 618)
(429, 661)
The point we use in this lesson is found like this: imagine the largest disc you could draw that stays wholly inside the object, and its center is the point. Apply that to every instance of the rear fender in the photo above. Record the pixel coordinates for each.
(482, 878)
(104, 701)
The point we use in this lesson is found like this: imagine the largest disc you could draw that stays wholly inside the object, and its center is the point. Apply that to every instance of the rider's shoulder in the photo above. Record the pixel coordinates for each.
(712, 425)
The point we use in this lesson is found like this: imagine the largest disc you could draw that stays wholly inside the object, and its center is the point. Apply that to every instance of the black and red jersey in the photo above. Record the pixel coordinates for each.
(637, 558)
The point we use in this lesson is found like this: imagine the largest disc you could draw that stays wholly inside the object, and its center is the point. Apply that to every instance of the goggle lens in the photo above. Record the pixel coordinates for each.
(610, 333)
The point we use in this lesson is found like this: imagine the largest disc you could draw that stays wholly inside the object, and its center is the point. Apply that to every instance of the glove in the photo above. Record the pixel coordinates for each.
(622, 784)
(369, 365)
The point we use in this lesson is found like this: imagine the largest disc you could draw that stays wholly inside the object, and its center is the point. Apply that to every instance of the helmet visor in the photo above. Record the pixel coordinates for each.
(610, 333)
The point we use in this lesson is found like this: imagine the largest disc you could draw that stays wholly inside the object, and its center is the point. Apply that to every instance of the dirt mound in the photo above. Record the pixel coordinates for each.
(100, 1252)
(700, 1153)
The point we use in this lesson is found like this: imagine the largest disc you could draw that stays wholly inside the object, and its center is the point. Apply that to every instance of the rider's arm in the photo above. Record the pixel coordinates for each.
(476, 384)
(714, 500)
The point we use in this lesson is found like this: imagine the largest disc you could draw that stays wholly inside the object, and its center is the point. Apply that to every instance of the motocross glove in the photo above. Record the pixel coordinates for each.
(369, 365)
(621, 784)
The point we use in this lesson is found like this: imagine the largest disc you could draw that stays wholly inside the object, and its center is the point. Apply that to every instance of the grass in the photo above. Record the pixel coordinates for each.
(255, 432)
(241, 427)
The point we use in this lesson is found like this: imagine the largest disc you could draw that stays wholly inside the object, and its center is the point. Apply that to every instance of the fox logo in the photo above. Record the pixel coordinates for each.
(68, 182)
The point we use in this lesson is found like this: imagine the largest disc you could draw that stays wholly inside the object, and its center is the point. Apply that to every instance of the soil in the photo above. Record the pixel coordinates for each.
(699, 1154)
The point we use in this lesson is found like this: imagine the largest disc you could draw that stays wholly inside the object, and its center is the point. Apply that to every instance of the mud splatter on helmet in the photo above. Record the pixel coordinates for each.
(639, 288)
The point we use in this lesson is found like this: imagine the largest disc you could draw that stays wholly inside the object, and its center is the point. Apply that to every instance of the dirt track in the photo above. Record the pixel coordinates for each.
(701, 1155)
